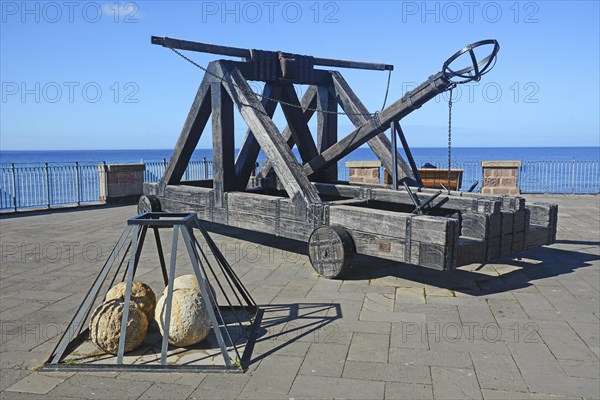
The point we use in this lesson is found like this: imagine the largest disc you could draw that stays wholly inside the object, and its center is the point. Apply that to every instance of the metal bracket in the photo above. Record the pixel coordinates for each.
(407, 239)
(277, 216)
(365, 193)
(265, 65)
(319, 215)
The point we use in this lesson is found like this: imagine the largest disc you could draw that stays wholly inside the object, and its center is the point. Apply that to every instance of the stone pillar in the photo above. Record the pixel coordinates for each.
(121, 183)
(364, 171)
(500, 177)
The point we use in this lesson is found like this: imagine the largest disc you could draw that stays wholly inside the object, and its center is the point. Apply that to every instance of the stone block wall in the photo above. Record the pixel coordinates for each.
(500, 177)
(364, 171)
(121, 183)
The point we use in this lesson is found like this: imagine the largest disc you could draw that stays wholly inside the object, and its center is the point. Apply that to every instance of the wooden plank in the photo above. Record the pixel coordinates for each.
(189, 137)
(537, 236)
(521, 220)
(270, 139)
(386, 247)
(327, 126)
(205, 213)
(475, 225)
(308, 104)
(246, 159)
(297, 124)
(443, 201)
(331, 189)
(388, 223)
(190, 194)
(358, 114)
(546, 215)
(454, 202)
(471, 250)
(508, 203)
(223, 142)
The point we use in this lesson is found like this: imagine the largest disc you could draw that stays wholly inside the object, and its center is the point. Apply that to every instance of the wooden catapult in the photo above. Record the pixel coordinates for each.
(305, 200)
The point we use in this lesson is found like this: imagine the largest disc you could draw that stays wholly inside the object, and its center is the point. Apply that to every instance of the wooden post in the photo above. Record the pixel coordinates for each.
(250, 148)
(326, 128)
(223, 142)
(189, 137)
(308, 104)
(297, 124)
(271, 141)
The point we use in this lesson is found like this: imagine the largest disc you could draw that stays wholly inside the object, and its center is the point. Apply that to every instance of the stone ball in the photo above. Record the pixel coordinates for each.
(190, 322)
(190, 282)
(141, 294)
(105, 326)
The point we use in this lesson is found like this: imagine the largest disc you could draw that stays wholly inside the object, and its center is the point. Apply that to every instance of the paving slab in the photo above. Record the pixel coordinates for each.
(535, 321)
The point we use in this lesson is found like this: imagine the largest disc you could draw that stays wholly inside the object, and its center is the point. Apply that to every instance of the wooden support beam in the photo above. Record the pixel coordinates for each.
(246, 159)
(189, 137)
(411, 101)
(295, 182)
(297, 124)
(327, 122)
(357, 113)
(308, 104)
(223, 142)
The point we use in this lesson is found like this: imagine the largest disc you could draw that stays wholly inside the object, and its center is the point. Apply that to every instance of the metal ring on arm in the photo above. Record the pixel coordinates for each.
(478, 69)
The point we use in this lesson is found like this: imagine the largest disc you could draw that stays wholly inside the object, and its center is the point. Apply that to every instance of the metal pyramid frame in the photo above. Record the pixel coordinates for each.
(237, 300)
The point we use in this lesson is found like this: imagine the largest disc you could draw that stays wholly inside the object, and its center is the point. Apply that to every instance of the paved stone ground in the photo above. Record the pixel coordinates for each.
(515, 329)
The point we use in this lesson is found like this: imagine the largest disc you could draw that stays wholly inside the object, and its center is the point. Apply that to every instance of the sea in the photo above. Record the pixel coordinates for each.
(423, 154)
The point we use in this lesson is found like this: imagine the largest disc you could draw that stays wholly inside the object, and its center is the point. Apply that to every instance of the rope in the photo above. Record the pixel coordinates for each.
(372, 116)
(387, 89)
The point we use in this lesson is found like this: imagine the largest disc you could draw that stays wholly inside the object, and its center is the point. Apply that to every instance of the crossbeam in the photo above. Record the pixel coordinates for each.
(295, 182)
(247, 54)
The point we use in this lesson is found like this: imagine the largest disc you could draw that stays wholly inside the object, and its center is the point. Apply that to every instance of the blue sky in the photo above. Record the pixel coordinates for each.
(83, 75)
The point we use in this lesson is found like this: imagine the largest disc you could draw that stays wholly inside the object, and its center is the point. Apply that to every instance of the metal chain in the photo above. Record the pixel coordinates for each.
(450, 136)
(319, 110)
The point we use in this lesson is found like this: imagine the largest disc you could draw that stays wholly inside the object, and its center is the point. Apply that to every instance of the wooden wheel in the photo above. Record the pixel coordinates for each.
(148, 203)
(330, 249)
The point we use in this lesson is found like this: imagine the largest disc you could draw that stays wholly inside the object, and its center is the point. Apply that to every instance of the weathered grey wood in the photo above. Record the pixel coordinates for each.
(223, 142)
(204, 213)
(246, 159)
(331, 250)
(521, 220)
(388, 223)
(471, 250)
(512, 203)
(483, 205)
(190, 194)
(386, 247)
(308, 104)
(331, 189)
(475, 225)
(443, 201)
(268, 136)
(537, 236)
(297, 124)
(546, 215)
(189, 137)
(327, 121)
(247, 54)
(150, 188)
(358, 114)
